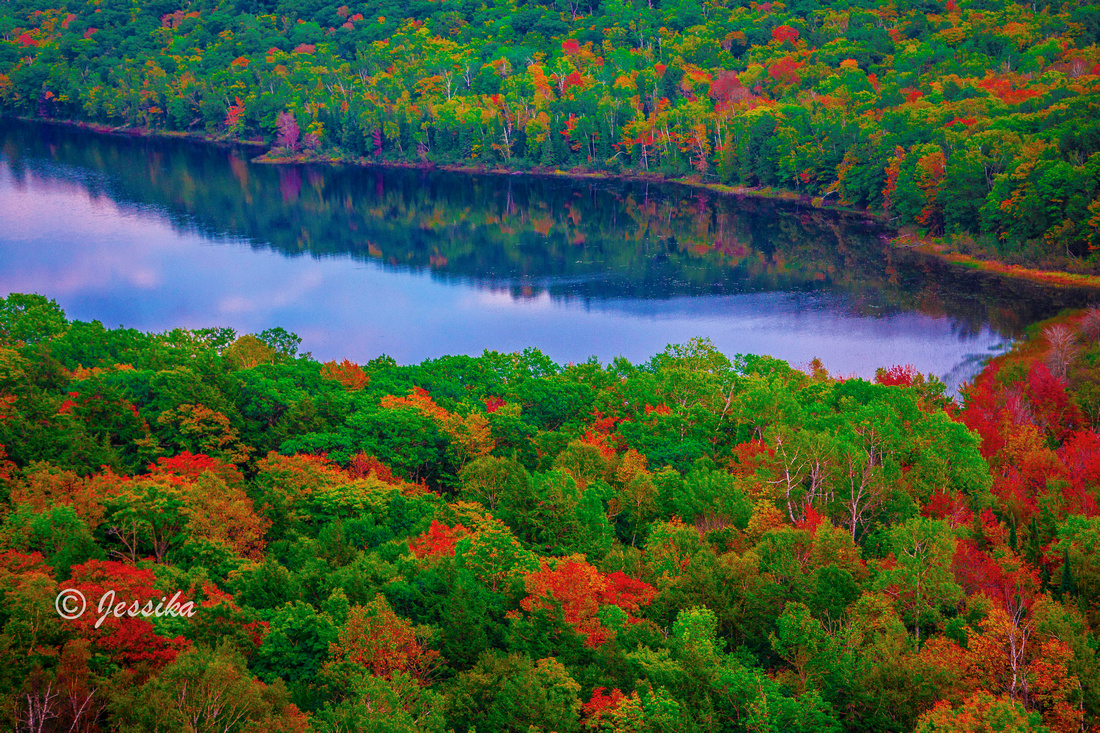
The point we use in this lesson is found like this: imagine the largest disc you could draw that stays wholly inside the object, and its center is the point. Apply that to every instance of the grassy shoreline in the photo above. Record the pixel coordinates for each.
(942, 251)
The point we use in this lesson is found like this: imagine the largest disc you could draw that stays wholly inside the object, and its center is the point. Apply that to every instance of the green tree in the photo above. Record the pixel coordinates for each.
(208, 689)
(513, 693)
(921, 576)
(30, 319)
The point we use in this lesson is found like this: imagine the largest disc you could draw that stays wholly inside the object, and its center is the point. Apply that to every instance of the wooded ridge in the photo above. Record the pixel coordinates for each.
(974, 120)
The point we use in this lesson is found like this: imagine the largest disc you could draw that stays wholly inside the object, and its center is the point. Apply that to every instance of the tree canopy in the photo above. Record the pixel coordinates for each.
(697, 543)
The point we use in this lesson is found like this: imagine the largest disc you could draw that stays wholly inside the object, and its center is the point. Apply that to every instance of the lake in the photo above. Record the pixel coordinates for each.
(158, 234)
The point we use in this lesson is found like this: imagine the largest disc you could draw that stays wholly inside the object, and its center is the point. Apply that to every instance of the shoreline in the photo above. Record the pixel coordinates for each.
(1056, 278)
(143, 132)
(899, 240)
(579, 173)
(1029, 346)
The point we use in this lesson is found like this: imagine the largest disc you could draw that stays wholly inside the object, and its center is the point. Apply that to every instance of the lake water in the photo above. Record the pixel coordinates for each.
(359, 261)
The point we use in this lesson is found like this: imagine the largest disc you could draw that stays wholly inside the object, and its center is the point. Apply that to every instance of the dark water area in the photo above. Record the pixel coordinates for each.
(158, 234)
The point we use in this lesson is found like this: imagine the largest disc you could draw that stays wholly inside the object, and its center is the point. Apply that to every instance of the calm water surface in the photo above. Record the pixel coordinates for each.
(157, 235)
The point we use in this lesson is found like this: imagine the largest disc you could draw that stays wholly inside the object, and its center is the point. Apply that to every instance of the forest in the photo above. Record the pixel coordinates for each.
(502, 543)
(972, 120)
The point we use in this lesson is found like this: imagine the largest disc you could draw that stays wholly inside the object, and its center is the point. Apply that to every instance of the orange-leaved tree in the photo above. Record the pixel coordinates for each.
(581, 589)
(378, 639)
(440, 539)
(346, 373)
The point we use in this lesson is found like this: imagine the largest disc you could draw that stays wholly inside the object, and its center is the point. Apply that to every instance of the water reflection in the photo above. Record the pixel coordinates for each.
(157, 234)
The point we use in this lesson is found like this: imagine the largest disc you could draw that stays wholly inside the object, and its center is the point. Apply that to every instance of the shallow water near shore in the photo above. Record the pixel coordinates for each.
(158, 234)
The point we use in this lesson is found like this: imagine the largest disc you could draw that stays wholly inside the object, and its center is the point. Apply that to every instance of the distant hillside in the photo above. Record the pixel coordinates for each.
(974, 119)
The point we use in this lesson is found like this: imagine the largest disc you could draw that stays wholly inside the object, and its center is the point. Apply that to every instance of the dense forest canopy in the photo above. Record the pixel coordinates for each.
(974, 118)
(502, 543)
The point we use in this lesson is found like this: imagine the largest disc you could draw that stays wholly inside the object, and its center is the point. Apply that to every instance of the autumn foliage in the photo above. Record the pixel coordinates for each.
(687, 543)
(784, 33)
(346, 373)
(580, 590)
(376, 638)
(127, 640)
(440, 539)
